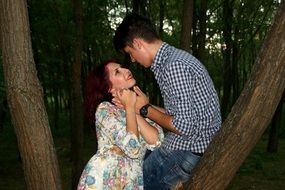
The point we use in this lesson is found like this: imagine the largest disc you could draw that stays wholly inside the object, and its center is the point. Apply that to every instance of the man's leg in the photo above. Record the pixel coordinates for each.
(164, 168)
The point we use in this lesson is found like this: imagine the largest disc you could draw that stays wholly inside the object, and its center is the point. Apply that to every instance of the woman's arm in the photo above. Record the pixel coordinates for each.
(128, 100)
(148, 132)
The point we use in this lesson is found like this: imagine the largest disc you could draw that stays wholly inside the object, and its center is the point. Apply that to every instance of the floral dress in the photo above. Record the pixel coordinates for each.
(119, 158)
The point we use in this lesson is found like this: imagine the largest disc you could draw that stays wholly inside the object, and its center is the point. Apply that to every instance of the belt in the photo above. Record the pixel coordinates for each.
(197, 154)
(116, 150)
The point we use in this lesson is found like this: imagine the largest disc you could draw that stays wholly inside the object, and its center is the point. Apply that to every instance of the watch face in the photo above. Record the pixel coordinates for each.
(143, 110)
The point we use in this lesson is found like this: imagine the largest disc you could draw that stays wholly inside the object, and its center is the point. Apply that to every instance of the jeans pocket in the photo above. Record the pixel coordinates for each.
(181, 169)
(175, 175)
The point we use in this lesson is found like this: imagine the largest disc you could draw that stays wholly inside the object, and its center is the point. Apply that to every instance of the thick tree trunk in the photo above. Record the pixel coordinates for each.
(187, 17)
(25, 99)
(250, 115)
(77, 100)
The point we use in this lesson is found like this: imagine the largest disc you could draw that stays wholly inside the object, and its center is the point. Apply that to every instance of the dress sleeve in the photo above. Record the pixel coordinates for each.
(113, 126)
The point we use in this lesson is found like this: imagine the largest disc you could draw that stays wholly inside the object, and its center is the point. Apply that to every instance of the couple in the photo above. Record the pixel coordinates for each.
(126, 128)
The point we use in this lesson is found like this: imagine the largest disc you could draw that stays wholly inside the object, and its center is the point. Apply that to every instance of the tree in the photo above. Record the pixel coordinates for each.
(227, 52)
(200, 30)
(187, 18)
(77, 100)
(250, 115)
(25, 99)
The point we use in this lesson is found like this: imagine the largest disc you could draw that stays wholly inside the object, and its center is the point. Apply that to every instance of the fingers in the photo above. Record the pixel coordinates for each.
(119, 93)
(138, 90)
(125, 93)
(117, 102)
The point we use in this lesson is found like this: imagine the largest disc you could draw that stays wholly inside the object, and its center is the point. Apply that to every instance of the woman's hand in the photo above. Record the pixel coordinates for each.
(127, 98)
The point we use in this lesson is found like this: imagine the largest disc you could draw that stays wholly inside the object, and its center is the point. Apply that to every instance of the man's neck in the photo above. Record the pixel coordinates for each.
(154, 47)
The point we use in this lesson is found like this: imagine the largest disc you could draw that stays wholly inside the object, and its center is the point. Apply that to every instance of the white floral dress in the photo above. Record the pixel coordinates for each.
(119, 158)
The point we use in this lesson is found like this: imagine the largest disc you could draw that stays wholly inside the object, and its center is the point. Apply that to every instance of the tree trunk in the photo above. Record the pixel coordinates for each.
(202, 31)
(185, 39)
(227, 33)
(25, 99)
(250, 115)
(161, 17)
(139, 7)
(77, 100)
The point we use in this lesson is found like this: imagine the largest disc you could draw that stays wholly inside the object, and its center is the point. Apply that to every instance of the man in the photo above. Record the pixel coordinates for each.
(192, 111)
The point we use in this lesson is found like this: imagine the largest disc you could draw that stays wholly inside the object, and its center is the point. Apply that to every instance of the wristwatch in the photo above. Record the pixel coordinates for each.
(143, 110)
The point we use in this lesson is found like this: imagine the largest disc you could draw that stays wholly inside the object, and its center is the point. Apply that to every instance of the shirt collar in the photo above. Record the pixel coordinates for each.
(160, 56)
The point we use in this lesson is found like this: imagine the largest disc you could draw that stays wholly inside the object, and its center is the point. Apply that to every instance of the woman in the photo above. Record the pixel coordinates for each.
(123, 136)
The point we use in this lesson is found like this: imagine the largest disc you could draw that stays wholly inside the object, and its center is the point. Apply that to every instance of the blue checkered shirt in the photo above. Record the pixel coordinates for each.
(189, 96)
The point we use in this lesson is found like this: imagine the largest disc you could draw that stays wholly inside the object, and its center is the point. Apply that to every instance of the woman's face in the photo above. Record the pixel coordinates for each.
(119, 77)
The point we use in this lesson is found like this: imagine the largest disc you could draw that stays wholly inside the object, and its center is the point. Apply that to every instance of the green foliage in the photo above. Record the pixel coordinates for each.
(53, 39)
(53, 35)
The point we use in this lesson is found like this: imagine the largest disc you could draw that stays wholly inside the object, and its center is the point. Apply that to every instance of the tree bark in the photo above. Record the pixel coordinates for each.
(185, 39)
(202, 31)
(161, 17)
(250, 115)
(139, 7)
(77, 100)
(227, 52)
(25, 99)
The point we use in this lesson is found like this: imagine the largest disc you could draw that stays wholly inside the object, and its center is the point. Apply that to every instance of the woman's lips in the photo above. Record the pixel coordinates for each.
(130, 77)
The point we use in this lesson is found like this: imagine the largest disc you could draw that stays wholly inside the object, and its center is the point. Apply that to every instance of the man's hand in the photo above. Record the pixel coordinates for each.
(142, 99)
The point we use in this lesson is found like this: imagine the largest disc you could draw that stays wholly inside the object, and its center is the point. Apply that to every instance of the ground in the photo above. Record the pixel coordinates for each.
(260, 171)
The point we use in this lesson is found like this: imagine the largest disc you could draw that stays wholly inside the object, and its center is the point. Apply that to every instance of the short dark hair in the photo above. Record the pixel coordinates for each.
(96, 90)
(134, 26)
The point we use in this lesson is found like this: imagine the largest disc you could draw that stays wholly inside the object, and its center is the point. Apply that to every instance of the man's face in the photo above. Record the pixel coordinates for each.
(138, 53)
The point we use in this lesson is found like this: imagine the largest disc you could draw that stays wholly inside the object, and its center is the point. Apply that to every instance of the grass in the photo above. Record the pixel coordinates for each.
(260, 171)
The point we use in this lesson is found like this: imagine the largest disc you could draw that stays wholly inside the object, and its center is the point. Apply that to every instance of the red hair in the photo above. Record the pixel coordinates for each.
(97, 87)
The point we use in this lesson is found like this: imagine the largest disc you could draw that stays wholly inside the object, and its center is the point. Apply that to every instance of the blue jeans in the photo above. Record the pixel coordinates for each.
(163, 168)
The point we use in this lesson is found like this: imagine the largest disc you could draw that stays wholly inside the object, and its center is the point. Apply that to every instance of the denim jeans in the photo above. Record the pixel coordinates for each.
(163, 168)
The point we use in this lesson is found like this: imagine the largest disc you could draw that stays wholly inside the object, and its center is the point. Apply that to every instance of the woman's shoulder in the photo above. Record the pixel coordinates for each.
(105, 104)
(107, 107)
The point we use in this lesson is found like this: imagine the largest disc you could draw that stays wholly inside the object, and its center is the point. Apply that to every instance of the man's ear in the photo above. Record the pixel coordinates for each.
(137, 43)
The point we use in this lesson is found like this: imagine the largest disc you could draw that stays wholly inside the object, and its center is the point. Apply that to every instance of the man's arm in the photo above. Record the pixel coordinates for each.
(162, 119)
(154, 113)
(159, 108)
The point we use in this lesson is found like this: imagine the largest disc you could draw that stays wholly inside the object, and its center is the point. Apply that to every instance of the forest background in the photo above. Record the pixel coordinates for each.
(226, 35)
